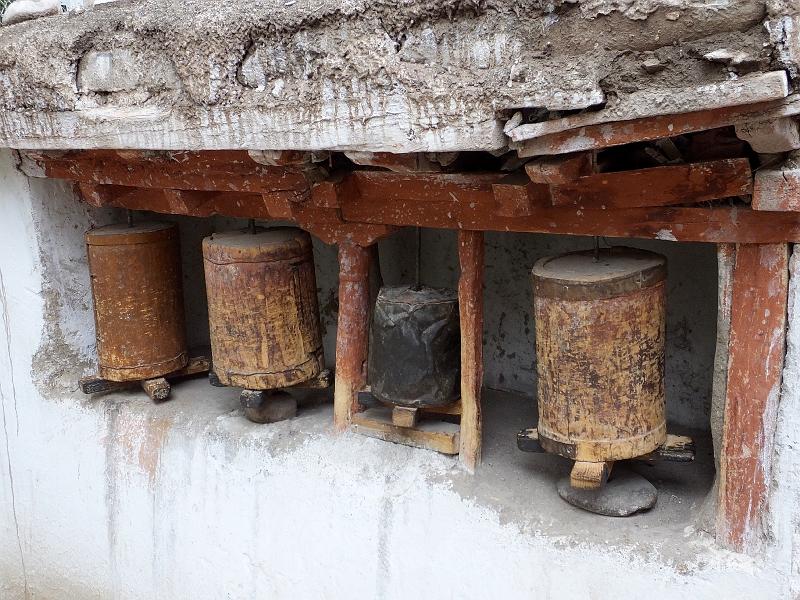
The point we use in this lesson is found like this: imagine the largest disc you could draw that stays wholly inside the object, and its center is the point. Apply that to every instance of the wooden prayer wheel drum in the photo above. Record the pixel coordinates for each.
(138, 300)
(600, 353)
(262, 308)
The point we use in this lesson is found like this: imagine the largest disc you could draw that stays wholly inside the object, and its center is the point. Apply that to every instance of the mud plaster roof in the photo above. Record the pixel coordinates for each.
(385, 75)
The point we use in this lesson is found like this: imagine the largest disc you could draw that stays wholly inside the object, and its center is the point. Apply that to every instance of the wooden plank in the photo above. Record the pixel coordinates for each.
(750, 90)
(439, 436)
(660, 186)
(726, 260)
(190, 171)
(470, 306)
(617, 132)
(450, 409)
(474, 210)
(351, 331)
(755, 364)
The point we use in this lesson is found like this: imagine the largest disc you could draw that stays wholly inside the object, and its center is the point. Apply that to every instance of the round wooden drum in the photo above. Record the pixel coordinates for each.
(600, 353)
(262, 308)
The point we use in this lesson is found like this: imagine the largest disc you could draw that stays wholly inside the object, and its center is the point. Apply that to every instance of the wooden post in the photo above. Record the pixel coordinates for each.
(351, 332)
(470, 303)
(755, 364)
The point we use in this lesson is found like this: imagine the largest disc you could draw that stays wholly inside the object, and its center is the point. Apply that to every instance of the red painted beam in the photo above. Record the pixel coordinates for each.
(755, 365)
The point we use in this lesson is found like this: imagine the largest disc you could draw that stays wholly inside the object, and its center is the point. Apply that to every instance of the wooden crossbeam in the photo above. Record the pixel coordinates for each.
(458, 202)
(207, 171)
(661, 186)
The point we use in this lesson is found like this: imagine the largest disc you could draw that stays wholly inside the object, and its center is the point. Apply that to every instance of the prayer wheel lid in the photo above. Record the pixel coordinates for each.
(578, 275)
(265, 245)
(120, 234)
(406, 294)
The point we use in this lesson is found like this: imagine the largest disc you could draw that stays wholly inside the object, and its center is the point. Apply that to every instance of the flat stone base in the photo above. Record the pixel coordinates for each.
(271, 407)
(625, 494)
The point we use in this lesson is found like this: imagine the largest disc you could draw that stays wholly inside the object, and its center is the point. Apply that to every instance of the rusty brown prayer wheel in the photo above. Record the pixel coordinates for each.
(138, 300)
(600, 332)
(262, 308)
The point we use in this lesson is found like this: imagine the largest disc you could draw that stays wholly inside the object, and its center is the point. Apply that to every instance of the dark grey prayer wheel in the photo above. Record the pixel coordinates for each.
(415, 347)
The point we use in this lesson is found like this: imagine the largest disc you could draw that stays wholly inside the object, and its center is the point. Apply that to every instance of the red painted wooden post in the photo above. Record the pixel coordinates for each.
(755, 364)
(351, 331)
(470, 303)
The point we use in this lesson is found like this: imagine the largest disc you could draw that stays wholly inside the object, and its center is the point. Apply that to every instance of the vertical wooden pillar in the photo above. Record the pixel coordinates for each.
(755, 365)
(470, 303)
(352, 331)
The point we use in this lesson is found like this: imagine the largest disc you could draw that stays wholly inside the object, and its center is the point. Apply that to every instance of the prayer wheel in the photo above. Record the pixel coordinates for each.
(262, 308)
(600, 329)
(414, 347)
(138, 300)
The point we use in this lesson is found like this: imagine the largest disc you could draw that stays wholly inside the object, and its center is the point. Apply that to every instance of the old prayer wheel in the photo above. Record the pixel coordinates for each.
(262, 308)
(138, 300)
(414, 347)
(600, 329)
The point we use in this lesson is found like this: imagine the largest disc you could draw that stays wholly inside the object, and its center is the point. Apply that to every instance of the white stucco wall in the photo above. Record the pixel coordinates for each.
(117, 498)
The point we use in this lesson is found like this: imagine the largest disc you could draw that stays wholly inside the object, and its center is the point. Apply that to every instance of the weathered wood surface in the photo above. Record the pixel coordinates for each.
(560, 170)
(225, 171)
(441, 201)
(137, 290)
(352, 331)
(262, 308)
(404, 416)
(589, 475)
(439, 436)
(364, 206)
(470, 301)
(96, 385)
(777, 189)
(157, 389)
(661, 186)
(755, 364)
(601, 386)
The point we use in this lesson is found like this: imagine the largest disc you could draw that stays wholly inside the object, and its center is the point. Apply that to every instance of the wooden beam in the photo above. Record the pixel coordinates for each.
(470, 306)
(204, 171)
(595, 136)
(460, 202)
(351, 332)
(661, 186)
(755, 365)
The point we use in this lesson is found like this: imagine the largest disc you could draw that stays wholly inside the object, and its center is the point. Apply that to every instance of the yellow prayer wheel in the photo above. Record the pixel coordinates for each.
(138, 300)
(262, 308)
(600, 333)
